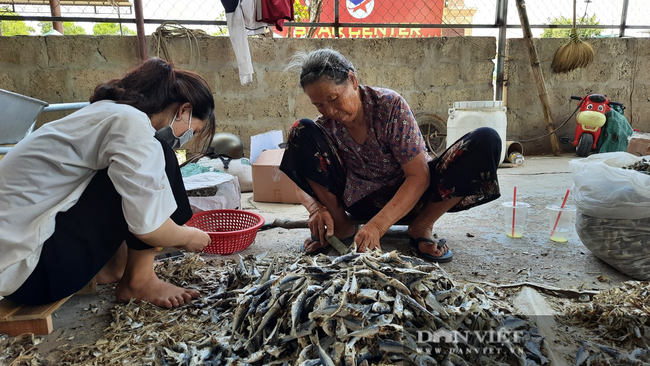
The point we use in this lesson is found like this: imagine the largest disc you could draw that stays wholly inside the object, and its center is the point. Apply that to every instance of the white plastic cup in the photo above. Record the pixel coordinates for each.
(520, 210)
(561, 222)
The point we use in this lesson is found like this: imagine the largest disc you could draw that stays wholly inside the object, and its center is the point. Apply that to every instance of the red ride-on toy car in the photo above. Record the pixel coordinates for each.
(590, 119)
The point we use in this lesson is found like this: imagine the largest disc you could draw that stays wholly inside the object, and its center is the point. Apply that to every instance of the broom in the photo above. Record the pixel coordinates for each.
(573, 54)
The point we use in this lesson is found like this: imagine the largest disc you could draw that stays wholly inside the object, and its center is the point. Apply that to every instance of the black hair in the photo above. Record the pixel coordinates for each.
(156, 84)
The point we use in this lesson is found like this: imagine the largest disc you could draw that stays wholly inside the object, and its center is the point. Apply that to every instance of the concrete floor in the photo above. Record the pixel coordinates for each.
(477, 237)
(482, 251)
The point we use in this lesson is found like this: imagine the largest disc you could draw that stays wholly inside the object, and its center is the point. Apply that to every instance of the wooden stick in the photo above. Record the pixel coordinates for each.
(304, 224)
(337, 244)
(539, 77)
(556, 291)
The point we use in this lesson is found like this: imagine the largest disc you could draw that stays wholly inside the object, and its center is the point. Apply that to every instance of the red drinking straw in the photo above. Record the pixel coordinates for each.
(514, 204)
(560, 213)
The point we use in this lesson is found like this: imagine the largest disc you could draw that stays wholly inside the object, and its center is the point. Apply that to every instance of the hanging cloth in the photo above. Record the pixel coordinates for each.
(240, 17)
(253, 27)
(275, 12)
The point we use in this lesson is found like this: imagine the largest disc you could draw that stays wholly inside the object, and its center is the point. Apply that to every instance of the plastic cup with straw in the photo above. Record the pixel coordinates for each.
(514, 205)
(515, 216)
(559, 214)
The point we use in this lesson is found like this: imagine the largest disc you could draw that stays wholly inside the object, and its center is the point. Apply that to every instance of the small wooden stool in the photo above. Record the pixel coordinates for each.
(16, 319)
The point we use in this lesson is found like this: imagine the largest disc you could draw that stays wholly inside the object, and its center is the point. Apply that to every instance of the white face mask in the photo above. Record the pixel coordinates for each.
(167, 134)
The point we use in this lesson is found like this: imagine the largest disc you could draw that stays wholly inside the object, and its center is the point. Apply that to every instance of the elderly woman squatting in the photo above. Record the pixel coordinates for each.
(364, 156)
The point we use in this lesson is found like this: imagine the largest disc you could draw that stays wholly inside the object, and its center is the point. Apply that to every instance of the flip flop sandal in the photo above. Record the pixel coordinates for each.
(432, 258)
(326, 249)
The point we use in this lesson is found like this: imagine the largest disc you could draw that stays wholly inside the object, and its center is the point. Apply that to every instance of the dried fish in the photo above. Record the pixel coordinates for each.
(357, 309)
(642, 166)
(619, 316)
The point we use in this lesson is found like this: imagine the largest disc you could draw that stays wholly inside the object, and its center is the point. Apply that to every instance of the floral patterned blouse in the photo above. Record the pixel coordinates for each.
(393, 139)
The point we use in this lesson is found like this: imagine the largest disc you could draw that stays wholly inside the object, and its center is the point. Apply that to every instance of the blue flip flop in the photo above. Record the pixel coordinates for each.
(324, 250)
(432, 258)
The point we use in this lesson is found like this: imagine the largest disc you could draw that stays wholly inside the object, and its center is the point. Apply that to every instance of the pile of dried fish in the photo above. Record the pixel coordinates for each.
(642, 166)
(356, 309)
(621, 314)
(20, 350)
(623, 244)
(620, 318)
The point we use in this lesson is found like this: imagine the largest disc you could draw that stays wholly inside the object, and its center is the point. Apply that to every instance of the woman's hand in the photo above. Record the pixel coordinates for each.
(367, 237)
(321, 224)
(196, 239)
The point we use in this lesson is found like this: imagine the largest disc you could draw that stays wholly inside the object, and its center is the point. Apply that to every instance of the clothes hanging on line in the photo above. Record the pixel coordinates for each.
(252, 25)
(240, 18)
(275, 12)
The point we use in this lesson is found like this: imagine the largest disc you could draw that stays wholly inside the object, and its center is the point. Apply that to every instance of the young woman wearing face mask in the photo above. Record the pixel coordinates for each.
(168, 135)
(101, 184)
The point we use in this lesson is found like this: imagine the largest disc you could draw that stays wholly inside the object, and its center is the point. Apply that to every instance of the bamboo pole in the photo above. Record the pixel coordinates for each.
(539, 77)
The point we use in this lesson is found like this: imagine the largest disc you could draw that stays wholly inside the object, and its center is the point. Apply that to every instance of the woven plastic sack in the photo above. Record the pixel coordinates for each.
(623, 244)
(613, 211)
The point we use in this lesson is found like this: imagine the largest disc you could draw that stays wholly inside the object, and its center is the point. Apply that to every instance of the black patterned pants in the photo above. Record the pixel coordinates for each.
(468, 169)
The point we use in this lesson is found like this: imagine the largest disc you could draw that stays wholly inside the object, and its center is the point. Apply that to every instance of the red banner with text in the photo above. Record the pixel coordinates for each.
(377, 12)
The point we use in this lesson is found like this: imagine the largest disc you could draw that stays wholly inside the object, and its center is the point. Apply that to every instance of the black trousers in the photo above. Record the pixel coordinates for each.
(88, 235)
(468, 168)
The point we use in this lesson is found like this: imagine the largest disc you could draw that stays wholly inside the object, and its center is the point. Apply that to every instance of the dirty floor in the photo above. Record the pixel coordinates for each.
(482, 251)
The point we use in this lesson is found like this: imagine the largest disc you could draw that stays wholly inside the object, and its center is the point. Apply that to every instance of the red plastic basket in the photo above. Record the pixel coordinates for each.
(231, 231)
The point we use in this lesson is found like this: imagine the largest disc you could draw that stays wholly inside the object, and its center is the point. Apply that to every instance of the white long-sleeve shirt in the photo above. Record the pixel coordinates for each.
(240, 18)
(48, 170)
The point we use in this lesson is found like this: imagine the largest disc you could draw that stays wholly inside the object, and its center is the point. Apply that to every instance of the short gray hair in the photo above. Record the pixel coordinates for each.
(321, 63)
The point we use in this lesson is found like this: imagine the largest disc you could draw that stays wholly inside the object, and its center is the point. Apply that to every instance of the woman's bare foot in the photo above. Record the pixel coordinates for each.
(155, 291)
(141, 283)
(114, 269)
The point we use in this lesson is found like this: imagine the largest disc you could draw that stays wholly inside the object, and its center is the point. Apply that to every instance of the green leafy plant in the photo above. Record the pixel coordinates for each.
(69, 28)
(14, 27)
(112, 29)
(564, 32)
(221, 31)
(300, 12)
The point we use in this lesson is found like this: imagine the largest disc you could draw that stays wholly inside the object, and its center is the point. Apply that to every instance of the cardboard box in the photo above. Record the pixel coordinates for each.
(639, 144)
(269, 183)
